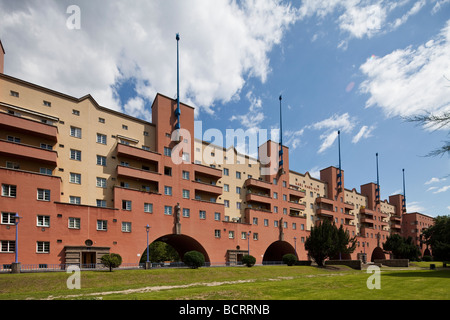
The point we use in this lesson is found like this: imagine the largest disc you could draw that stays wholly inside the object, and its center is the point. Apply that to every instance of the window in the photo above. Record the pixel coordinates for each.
(101, 120)
(186, 175)
(75, 178)
(126, 226)
(43, 247)
(9, 190)
(275, 181)
(101, 161)
(46, 171)
(284, 197)
(102, 225)
(275, 209)
(8, 218)
(217, 233)
(284, 184)
(238, 175)
(217, 216)
(238, 205)
(185, 156)
(75, 154)
(167, 191)
(101, 203)
(168, 210)
(43, 221)
(124, 163)
(148, 207)
(302, 227)
(13, 139)
(284, 211)
(43, 194)
(255, 236)
(75, 112)
(226, 203)
(285, 225)
(168, 171)
(186, 213)
(243, 235)
(238, 190)
(46, 146)
(101, 182)
(74, 223)
(226, 187)
(12, 165)
(255, 221)
(275, 223)
(231, 234)
(126, 205)
(226, 172)
(124, 127)
(7, 246)
(75, 132)
(167, 152)
(266, 222)
(74, 200)
(14, 94)
(275, 195)
(101, 138)
(202, 214)
(47, 103)
(294, 226)
(185, 194)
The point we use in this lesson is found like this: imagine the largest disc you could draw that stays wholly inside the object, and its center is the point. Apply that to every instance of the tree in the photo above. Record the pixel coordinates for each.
(249, 260)
(437, 122)
(194, 259)
(112, 260)
(326, 241)
(401, 248)
(160, 251)
(438, 238)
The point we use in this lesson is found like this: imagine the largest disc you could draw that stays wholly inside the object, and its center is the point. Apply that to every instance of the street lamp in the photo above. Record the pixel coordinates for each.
(147, 227)
(16, 264)
(295, 245)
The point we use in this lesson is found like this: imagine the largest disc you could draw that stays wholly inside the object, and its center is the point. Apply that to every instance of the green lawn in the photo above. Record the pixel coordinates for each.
(232, 283)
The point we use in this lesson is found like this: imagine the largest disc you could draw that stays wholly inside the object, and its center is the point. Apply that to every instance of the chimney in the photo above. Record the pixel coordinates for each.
(2, 57)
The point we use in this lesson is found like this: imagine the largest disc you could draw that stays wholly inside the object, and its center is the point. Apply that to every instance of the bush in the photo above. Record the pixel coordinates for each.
(112, 260)
(289, 259)
(427, 258)
(248, 260)
(194, 259)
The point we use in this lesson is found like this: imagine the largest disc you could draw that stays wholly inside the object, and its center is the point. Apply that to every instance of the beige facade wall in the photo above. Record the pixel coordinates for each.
(65, 112)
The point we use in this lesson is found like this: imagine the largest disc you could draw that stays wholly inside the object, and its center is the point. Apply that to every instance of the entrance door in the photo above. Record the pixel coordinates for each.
(88, 259)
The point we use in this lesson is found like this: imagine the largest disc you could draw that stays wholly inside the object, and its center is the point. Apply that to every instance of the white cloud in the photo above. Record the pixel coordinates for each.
(315, 172)
(364, 133)
(223, 43)
(416, 75)
(253, 118)
(438, 5)
(431, 188)
(293, 138)
(435, 180)
(414, 207)
(443, 189)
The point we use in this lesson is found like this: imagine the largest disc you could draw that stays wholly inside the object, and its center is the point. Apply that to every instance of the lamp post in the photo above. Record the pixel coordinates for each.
(147, 264)
(295, 245)
(15, 268)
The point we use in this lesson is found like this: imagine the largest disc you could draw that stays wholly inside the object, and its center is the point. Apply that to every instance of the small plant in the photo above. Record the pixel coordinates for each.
(248, 260)
(194, 259)
(427, 258)
(112, 260)
(289, 259)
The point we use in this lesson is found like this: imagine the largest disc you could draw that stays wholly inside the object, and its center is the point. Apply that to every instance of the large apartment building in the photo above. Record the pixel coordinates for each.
(86, 180)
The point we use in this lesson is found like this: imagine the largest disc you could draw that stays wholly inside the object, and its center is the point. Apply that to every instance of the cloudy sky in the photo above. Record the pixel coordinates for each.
(358, 66)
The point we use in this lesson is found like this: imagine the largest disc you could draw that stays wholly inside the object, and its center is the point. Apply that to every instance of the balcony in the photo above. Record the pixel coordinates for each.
(137, 153)
(296, 192)
(325, 213)
(297, 205)
(266, 186)
(324, 200)
(208, 171)
(396, 219)
(31, 127)
(258, 197)
(138, 174)
(24, 151)
(206, 187)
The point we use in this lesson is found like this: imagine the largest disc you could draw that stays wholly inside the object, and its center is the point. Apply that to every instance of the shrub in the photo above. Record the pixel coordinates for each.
(427, 258)
(289, 259)
(248, 260)
(194, 259)
(112, 260)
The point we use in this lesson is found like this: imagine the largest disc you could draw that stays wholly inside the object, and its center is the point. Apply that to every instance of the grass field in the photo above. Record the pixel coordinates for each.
(233, 283)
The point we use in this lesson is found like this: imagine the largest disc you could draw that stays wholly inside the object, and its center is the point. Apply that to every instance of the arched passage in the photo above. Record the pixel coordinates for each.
(277, 250)
(377, 253)
(182, 244)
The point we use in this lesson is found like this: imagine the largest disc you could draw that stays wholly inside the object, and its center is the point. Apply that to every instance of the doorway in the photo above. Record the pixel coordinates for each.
(88, 259)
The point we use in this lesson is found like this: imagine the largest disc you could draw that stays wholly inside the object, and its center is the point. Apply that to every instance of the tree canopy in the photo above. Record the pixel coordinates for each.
(438, 237)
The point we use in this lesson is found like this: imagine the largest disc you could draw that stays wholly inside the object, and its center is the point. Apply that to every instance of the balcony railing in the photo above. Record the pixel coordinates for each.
(32, 127)
(29, 152)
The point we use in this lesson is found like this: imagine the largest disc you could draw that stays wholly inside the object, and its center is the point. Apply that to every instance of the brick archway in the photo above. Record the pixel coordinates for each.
(182, 244)
(377, 253)
(277, 250)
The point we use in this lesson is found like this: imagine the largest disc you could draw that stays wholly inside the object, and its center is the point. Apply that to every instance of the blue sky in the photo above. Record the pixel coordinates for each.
(349, 65)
